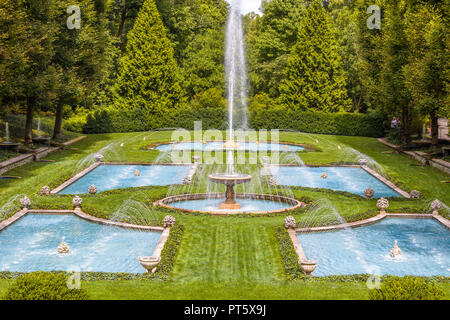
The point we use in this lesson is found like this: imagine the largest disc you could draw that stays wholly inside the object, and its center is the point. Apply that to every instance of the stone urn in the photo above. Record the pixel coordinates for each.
(169, 221)
(436, 205)
(92, 189)
(414, 194)
(98, 157)
(369, 193)
(77, 201)
(382, 204)
(308, 267)
(187, 180)
(363, 162)
(25, 202)
(45, 191)
(290, 223)
(149, 263)
(272, 181)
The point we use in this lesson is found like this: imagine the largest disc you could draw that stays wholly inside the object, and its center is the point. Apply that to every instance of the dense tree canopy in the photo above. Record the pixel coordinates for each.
(314, 76)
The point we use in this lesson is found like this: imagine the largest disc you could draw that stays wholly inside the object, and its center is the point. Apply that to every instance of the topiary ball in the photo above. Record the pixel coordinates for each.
(44, 286)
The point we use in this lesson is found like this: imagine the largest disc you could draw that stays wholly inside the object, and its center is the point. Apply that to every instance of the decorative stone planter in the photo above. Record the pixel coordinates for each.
(77, 201)
(25, 202)
(308, 267)
(169, 221)
(45, 191)
(149, 263)
(415, 194)
(436, 205)
(383, 204)
(290, 223)
(92, 189)
(98, 157)
(369, 193)
(363, 162)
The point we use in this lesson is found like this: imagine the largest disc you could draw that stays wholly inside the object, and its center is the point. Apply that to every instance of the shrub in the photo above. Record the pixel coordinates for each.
(43, 286)
(347, 124)
(407, 288)
(288, 255)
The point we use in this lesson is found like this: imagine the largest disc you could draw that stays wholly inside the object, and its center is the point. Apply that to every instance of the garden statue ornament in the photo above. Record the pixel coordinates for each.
(169, 221)
(415, 194)
(324, 175)
(25, 202)
(45, 191)
(290, 223)
(436, 205)
(98, 157)
(63, 247)
(369, 193)
(92, 189)
(137, 173)
(363, 162)
(382, 204)
(395, 251)
(77, 201)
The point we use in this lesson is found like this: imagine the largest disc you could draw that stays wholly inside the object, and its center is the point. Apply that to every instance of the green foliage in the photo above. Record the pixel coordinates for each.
(43, 286)
(314, 78)
(407, 288)
(270, 39)
(170, 251)
(348, 124)
(148, 79)
(288, 255)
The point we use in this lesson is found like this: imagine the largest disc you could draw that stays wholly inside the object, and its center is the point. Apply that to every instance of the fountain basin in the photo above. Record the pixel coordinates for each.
(250, 204)
(425, 245)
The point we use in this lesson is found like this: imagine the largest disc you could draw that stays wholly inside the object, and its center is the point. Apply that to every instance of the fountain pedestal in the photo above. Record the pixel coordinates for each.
(230, 180)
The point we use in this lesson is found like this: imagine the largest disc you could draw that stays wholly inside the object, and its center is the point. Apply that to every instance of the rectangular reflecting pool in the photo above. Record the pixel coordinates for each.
(31, 243)
(109, 177)
(425, 244)
(353, 180)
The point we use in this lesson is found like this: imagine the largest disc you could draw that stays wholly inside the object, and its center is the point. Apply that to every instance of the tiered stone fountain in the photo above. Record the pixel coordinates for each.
(6, 144)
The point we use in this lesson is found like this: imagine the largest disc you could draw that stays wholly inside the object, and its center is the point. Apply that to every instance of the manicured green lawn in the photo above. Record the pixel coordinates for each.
(223, 257)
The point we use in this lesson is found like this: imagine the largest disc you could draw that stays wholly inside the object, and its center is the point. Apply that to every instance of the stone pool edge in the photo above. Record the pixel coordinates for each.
(165, 232)
(94, 166)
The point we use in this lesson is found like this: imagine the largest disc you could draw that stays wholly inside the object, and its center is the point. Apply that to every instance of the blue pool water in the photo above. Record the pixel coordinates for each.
(109, 177)
(243, 146)
(31, 243)
(247, 205)
(425, 244)
(354, 180)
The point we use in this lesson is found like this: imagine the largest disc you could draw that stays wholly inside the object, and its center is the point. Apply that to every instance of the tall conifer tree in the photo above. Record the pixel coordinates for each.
(314, 76)
(148, 75)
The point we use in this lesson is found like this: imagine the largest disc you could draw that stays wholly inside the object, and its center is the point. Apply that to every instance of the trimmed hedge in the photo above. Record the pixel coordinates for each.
(288, 255)
(43, 286)
(407, 288)
(130, 120)
(346, 124)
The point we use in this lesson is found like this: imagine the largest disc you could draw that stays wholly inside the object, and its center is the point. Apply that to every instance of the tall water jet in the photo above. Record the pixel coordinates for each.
(237, 94)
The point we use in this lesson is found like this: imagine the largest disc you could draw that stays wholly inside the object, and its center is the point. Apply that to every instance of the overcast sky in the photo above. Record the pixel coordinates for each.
(249, 5)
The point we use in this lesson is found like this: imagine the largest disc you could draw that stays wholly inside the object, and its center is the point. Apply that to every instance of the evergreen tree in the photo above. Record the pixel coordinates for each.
(270, 39)
(427, 74)
(81, 56)
(148, 75)
(314, 76)
(395, 53)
